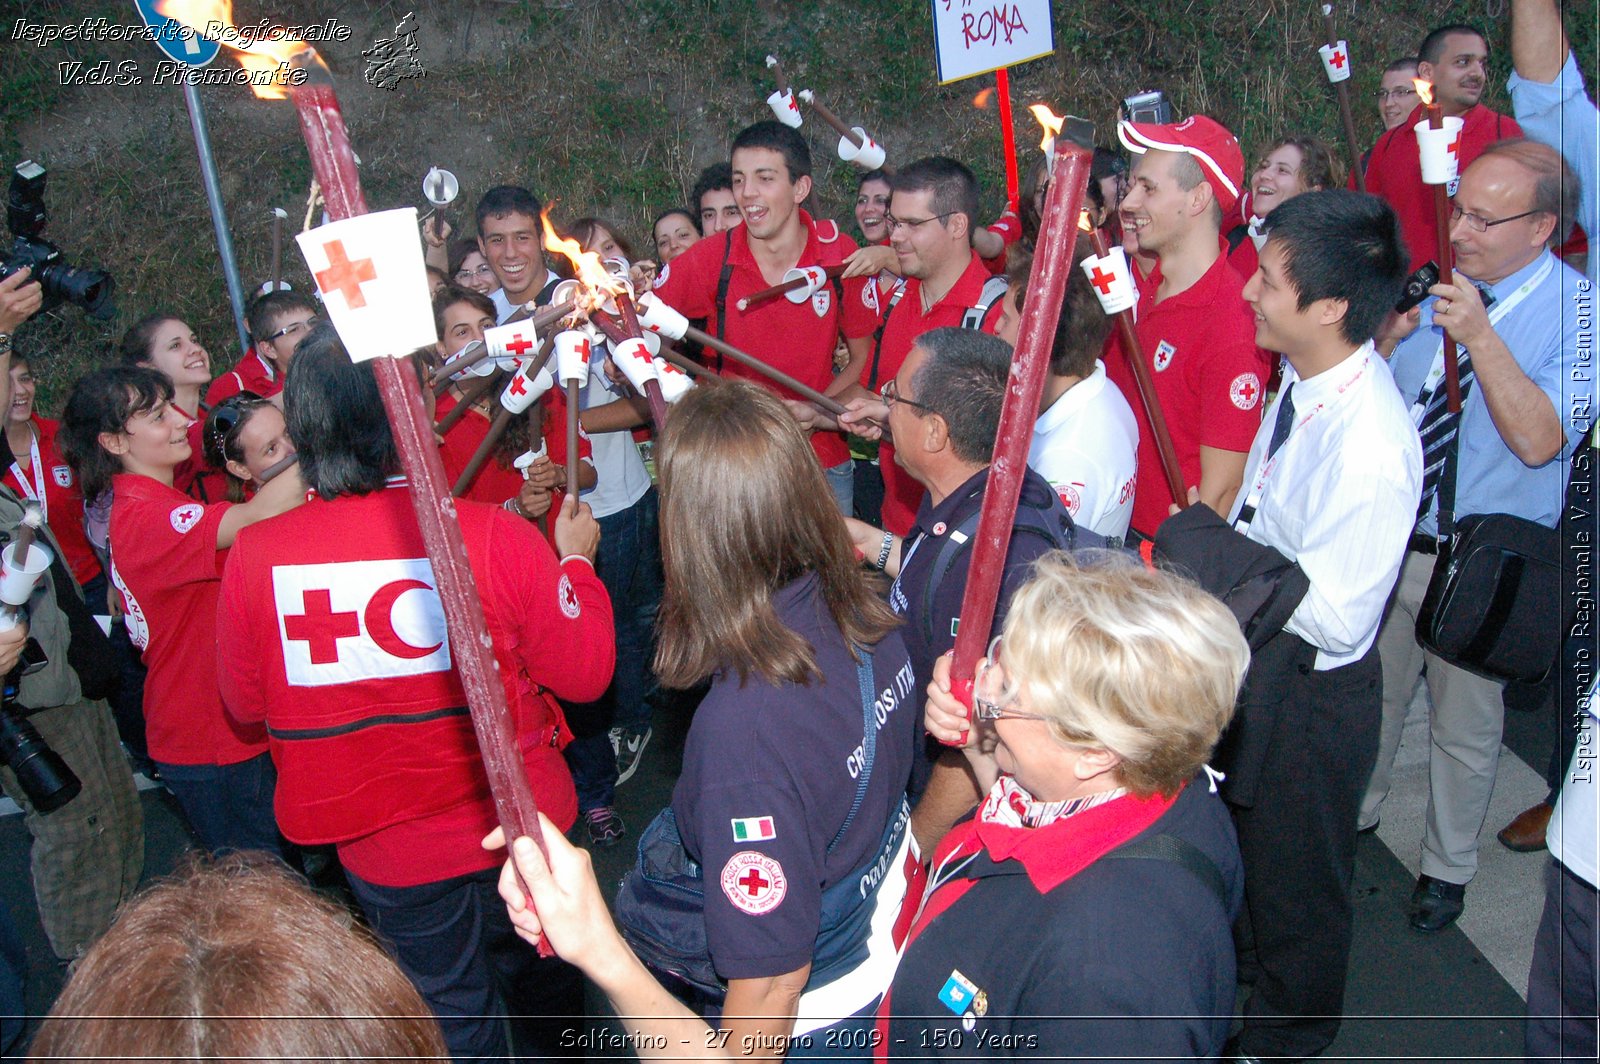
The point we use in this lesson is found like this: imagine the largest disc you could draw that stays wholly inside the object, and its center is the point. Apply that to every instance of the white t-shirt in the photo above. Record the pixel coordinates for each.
(1086, 446)
(1575, 823)
(503, 306)
(620, 476)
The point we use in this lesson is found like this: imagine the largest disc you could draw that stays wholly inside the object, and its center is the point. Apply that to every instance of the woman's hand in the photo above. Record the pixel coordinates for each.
(436, 231)
(947, 718)
(870, 261)
(577, 531)
(642, 274)
(542, 474)
(533, 501)
(567, 908)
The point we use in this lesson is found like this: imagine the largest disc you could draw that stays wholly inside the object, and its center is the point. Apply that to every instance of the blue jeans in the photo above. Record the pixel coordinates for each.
(629, 565)
(842, 482)
(454, 940)
(229, 806)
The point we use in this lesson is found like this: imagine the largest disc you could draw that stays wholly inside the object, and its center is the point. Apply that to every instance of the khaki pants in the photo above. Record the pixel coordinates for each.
(87, 855)
(1464, 729)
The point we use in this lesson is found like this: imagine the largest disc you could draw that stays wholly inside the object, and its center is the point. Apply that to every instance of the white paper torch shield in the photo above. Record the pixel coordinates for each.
(785, 110)
(675, 383)
(510, 345)
(522, 391)
(869, 155)
(660, 318)
(632, 357)
(1336, 61)
(1112, 280)
(1439, 163)
(814, 276)
(572, 356)
(373, 282)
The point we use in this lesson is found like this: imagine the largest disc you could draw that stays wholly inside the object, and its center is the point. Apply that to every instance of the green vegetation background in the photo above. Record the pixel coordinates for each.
(610, 107)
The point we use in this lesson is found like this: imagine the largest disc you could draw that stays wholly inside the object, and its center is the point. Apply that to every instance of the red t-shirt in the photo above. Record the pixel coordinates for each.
(331, 631)
(798, 339)
(1201, 349)
(1395, 172)
(63, 504)
(165, 562)
(252, 374)
(902, 492)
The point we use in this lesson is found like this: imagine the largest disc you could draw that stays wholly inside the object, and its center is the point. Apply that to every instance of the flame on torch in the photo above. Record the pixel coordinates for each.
(1049, 121)
(981, 101)
(1085, 223)
(598, 283)
(269, 60)
(1424, 90)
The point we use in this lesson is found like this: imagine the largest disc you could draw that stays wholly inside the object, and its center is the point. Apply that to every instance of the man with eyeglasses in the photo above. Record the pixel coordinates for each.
(1527, 387)
(1396, 94)
(278, 320)
(933, 207)
(1455, 59)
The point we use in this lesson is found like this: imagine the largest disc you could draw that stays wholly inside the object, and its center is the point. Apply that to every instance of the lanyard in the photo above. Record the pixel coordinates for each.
(34, 491)
(1252, 502)
(1496, 312)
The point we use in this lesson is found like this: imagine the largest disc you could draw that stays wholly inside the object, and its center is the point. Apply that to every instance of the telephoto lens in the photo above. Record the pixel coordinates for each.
(43, 776)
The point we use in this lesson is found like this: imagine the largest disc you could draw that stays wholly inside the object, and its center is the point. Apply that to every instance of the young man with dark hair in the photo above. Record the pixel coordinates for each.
(1193, 325)
(1455, 59)
(771, 179)
(333, 635)
(511, 238)
(277, 322)
(712, 200)
(1396, 94)
(1332, 482)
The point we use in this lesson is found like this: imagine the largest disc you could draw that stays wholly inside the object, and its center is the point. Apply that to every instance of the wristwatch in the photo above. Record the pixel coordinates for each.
(5, 343)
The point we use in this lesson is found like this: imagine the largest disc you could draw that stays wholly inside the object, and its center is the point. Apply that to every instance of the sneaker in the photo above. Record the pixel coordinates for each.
(605, 827)
(630, 743)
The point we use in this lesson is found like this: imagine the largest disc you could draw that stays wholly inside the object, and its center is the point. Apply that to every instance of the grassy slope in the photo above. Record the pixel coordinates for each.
(612, 107)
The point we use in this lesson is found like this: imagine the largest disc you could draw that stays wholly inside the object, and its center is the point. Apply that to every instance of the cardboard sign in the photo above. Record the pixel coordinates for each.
(973, 37)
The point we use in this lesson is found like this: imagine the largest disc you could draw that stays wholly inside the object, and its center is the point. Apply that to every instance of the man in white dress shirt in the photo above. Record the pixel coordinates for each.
(1332, 482)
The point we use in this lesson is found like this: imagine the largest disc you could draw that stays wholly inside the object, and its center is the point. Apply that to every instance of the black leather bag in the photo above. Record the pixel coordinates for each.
(1493, 606)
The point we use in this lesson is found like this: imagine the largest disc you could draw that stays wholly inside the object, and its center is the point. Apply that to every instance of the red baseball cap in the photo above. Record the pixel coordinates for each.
(1207, 140)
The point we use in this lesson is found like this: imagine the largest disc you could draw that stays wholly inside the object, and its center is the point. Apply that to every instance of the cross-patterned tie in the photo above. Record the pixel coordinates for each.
(1437, 429)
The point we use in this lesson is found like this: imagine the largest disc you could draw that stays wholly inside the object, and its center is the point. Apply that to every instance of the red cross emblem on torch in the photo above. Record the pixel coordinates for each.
(344, 275)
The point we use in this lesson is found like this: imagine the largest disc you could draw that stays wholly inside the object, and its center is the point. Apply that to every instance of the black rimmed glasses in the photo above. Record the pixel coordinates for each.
(1481, 224)
(290, 330)
(891, 395)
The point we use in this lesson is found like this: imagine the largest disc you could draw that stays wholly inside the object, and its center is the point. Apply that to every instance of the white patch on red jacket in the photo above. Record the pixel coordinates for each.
(339, 622)
(186, 517)
(569, 598)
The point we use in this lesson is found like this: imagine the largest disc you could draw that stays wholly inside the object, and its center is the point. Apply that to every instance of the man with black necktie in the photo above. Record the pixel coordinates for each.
(1331, 483)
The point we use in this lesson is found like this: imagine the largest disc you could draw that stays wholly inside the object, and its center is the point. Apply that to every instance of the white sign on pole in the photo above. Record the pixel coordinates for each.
(973, 37)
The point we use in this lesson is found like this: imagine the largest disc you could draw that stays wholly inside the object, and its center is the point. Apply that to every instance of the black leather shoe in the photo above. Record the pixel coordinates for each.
(1435, 904)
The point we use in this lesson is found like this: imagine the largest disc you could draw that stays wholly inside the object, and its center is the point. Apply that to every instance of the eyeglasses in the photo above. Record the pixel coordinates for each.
(1384, 94)
(465, 275)
(1481, 224)
(891, 395)
(987, 709)
(290, 330)
(901, 223)
(227, 416)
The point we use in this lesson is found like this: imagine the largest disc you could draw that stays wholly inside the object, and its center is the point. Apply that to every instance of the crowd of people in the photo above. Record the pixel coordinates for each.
(1143, 809)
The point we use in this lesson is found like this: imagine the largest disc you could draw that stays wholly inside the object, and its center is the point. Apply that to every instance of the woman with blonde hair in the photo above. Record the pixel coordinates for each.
(1084, 910)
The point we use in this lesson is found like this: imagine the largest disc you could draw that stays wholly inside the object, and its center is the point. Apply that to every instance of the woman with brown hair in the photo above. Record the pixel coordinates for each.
(237, 961)
(795, 768)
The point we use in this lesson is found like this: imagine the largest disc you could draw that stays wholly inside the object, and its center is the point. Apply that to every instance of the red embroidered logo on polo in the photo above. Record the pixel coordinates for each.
(344, 621)
(185, 517)
(1164, 353)
(754, 882)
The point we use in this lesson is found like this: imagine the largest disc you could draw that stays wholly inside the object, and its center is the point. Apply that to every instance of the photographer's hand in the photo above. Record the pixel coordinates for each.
(12, 641)
(20, 299)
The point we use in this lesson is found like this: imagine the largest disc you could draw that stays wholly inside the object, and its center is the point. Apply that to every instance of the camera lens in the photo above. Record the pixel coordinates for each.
(89, 289)
(43, 776)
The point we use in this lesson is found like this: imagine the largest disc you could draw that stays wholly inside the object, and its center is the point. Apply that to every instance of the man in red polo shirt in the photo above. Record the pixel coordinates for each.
(1455, 59)
(277, 322)
(932, 219)
(1197, 334)
(771, 178)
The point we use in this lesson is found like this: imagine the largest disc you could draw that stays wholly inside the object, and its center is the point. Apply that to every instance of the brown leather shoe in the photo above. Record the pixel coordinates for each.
(1525, 834)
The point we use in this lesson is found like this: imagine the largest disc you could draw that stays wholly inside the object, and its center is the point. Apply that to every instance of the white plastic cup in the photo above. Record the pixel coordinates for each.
(18, 577)
(1336, 61)
(657, 317)
(785, 110)
(869, 155)
(675, 383)
(522, 391)
(572, 356)
(1439, 164)
(814, 276)
(514, 341)
(1112, 280)
(632, 357)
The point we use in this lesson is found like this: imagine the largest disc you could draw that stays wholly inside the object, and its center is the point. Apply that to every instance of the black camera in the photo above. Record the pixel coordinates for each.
(63, 283)
(1415, 288)
(40, 771)
(1150, 106)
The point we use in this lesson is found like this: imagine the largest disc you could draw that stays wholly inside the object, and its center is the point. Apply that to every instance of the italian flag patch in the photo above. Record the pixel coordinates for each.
(754, 829)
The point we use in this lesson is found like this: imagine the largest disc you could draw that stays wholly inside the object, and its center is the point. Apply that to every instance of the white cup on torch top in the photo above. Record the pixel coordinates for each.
(814, 276)
(1112, 280)
(1336, 61)
(1439, 164)
(19, 576)
(510, 345)
(522, 391)
(658, 317)
(573, 349)
(869, 154)
(675, 383)
(785, 110)
(632, 357)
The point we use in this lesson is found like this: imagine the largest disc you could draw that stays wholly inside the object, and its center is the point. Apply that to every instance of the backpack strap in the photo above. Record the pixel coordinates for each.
(1177, 851)
(877, 336)
(993, 289)
(869, 742)
(1236, 236)
(723, 280)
